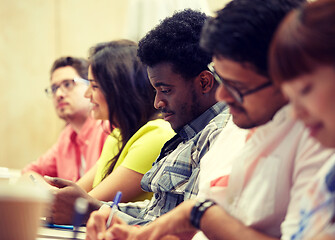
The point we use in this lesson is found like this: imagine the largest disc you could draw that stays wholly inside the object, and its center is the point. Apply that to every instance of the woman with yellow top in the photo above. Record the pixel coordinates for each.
(120, 92)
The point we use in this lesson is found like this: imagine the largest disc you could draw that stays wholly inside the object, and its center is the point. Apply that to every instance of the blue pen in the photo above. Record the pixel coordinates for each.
(50, 225)
(80, 209)
(116, 201)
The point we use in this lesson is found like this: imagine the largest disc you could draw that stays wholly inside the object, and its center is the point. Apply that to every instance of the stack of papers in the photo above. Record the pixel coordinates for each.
(4, 175)
(45, 233)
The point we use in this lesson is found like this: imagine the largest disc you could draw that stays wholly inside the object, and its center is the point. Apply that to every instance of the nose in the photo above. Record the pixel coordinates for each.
(88, 92)
(222, 95)
(159, 102)
(298, 111)
(59, 93)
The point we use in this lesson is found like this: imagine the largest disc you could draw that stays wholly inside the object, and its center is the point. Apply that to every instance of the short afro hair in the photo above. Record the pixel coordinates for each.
(176, 41)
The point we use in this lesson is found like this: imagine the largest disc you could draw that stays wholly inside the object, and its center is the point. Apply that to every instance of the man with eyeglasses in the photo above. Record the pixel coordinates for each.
(258, 197)
(80, 142)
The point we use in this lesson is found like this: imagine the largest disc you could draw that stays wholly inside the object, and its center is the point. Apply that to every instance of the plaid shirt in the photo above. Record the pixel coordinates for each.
(175, 174)
(317, 210)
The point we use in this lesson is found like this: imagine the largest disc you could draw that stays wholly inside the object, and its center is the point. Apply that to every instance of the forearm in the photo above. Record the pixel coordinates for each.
(218, 225)
(324, 237)
(121, 179)
(86, 181)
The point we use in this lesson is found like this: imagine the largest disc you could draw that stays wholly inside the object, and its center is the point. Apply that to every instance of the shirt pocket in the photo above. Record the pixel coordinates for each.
(174, 179)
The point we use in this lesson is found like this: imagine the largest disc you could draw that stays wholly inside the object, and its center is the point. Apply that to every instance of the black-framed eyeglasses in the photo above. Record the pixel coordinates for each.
(66, 85)
(234, 92)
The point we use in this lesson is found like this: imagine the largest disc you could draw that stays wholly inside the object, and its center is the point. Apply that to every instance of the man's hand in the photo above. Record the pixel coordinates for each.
(96, 224)
(126, 232)
(62, 210)
(173, 225)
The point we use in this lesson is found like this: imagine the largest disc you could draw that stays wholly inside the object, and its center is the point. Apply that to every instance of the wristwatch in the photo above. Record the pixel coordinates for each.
(198, 211)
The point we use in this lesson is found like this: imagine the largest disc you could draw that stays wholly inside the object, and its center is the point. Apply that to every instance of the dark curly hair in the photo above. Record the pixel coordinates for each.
(242, 31)
(124, 82)
(176, 40)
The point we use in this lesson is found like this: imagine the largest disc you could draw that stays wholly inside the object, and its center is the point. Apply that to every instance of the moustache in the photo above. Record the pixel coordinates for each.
(236, 106)
(163, 110)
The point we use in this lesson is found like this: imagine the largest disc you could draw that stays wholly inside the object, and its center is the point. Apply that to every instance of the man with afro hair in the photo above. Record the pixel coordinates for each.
(260, 196)
(185, 94)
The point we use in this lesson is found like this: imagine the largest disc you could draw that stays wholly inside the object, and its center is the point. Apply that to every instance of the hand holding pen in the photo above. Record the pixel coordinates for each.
(116, 201)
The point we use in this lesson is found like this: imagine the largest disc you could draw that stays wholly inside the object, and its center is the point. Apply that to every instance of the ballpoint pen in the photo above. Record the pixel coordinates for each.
(67, 227)
(116, 201)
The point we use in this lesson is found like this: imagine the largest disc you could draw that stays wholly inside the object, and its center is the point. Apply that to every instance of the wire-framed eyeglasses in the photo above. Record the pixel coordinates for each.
(66, 85)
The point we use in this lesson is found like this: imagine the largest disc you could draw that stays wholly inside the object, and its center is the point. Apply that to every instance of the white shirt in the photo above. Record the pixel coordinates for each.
(269, 175)
(218, 160)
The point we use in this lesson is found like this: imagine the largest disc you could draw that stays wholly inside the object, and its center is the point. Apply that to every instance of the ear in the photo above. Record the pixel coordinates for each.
(206, 81)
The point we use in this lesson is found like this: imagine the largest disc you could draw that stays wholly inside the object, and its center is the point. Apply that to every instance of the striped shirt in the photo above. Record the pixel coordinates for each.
(174, 176)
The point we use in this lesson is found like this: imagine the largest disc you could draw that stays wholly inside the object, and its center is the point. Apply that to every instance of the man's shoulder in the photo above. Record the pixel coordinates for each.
(205, 138)
(217, 123)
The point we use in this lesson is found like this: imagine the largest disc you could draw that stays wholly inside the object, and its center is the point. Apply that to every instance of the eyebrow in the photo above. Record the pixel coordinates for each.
(92, 81)
(57, 83)
(160, 84)
(234, 83)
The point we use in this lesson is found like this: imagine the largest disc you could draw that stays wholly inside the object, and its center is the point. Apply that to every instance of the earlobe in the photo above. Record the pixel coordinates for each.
(206, 81)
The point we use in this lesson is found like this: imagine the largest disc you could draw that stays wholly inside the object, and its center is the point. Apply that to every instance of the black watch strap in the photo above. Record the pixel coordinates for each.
(198, 211)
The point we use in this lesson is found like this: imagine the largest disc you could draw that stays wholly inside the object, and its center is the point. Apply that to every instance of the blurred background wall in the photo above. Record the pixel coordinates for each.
(33, 34)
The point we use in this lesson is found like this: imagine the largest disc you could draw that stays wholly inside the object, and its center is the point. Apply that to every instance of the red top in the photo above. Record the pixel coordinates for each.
(64, 158)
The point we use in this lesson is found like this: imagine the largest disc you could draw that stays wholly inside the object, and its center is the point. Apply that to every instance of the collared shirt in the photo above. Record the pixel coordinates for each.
(173, 177)
(64, 158)
(269, 175)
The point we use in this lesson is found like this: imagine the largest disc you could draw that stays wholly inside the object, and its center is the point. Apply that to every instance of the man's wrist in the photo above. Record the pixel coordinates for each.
(198, 211)
(93, 205)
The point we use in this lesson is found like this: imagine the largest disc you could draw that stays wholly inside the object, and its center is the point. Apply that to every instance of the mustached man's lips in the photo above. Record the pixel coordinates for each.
(235, 109)
(62, 104)
(167, 114)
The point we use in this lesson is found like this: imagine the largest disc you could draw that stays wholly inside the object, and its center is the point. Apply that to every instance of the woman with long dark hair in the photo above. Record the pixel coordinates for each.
(120, 91)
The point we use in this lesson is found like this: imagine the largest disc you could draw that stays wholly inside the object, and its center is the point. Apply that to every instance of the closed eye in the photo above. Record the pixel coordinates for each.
(306, 89)
(94, 84)
(166, 91)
